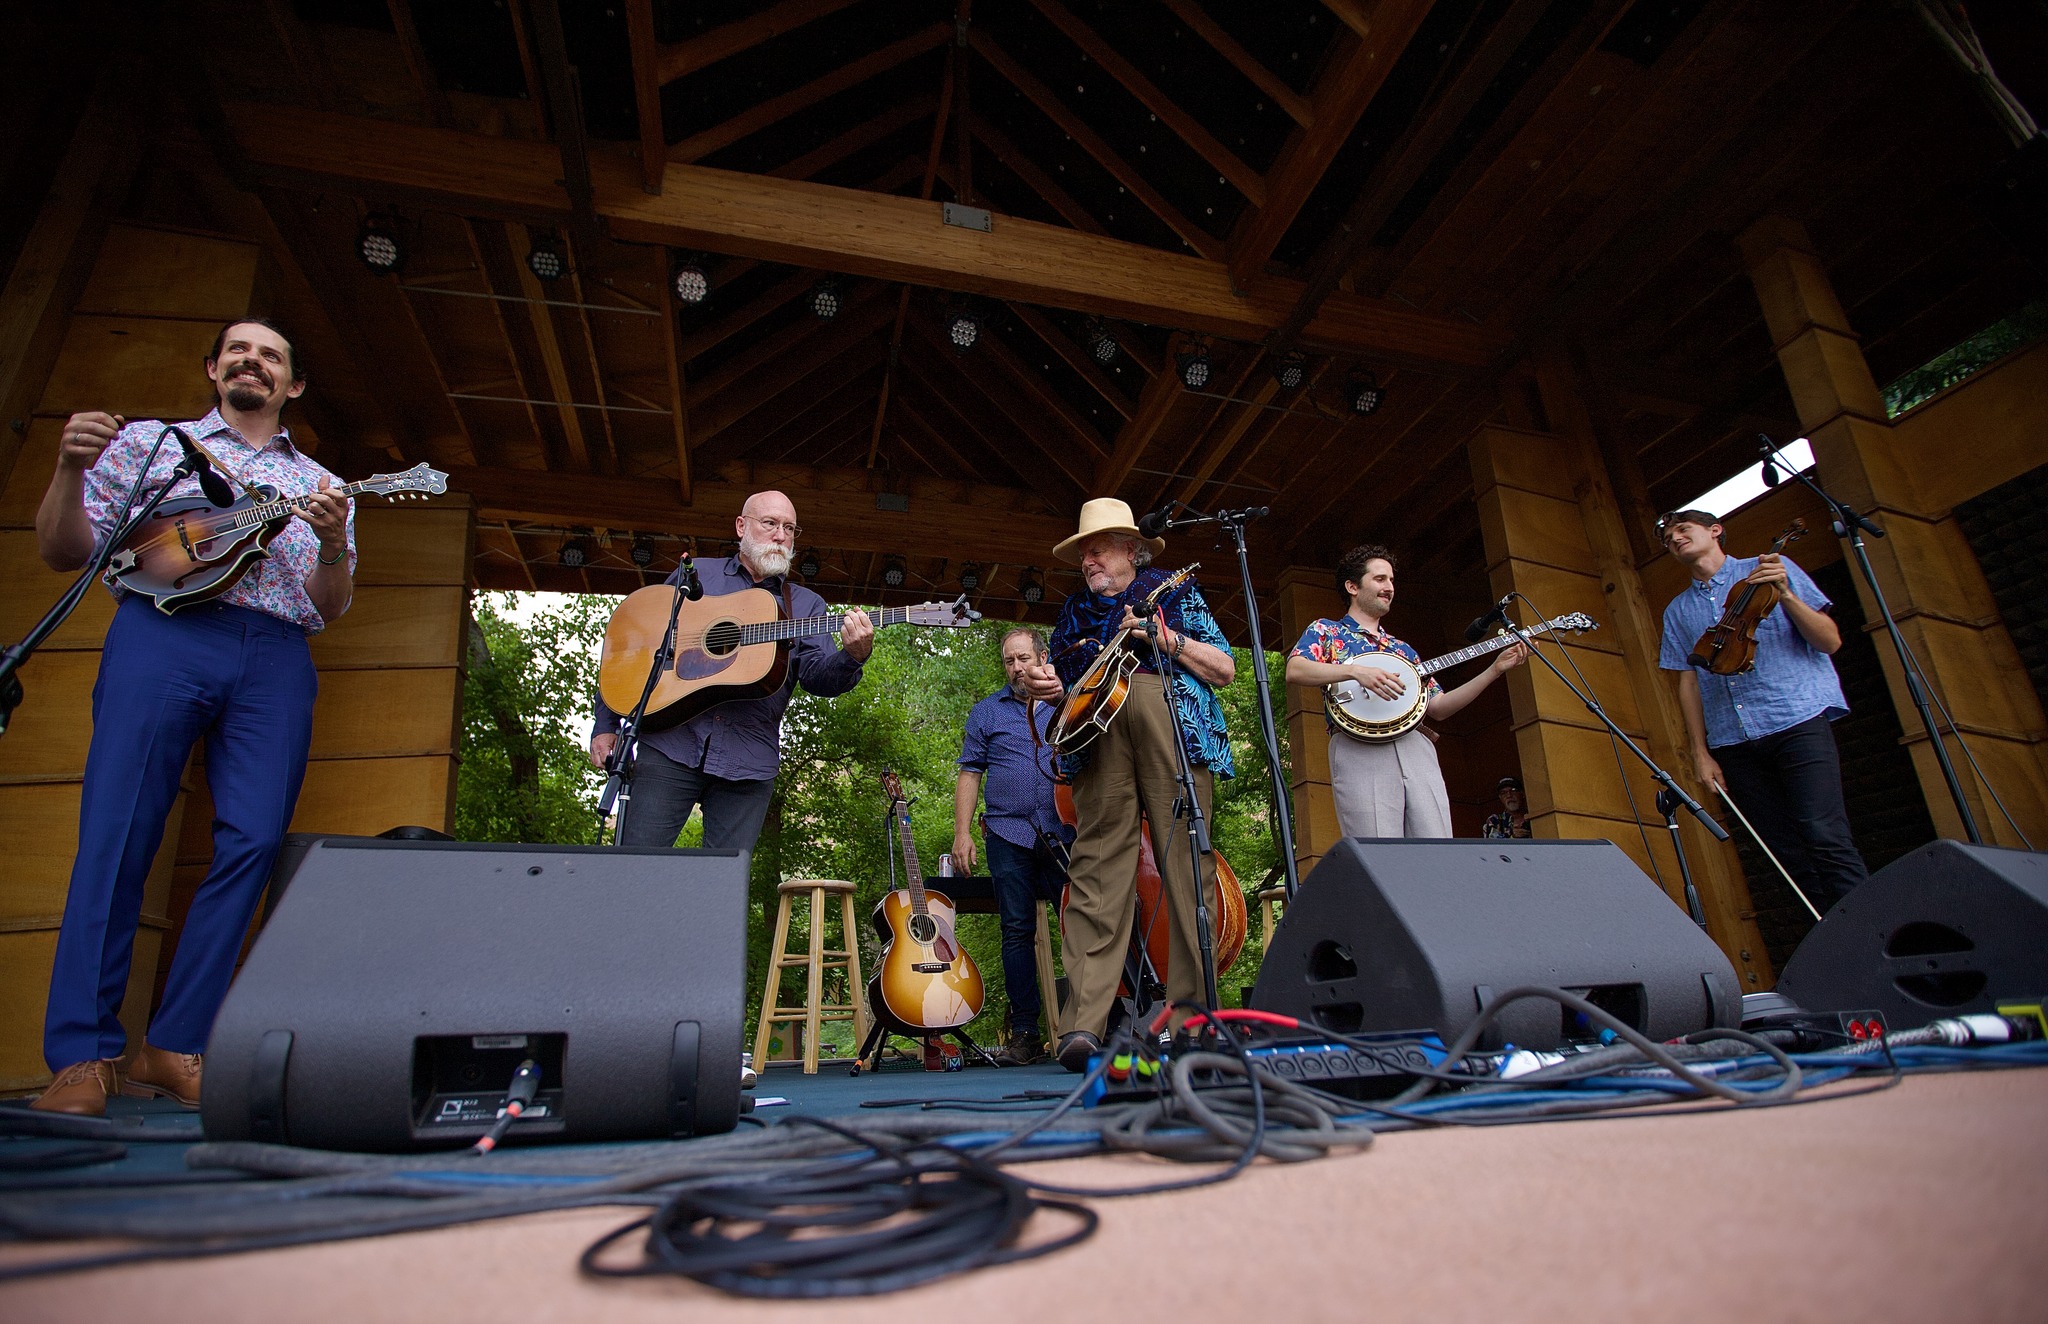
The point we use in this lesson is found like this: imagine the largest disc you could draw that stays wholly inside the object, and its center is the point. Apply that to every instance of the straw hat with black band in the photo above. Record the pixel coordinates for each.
(1105, 515)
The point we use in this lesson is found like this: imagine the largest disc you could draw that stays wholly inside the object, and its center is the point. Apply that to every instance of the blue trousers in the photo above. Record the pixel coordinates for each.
(244, 682)
(1024, 876)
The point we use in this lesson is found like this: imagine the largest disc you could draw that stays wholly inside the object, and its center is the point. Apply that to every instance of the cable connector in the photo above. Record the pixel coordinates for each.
(519, 1096)
(1984, 1028)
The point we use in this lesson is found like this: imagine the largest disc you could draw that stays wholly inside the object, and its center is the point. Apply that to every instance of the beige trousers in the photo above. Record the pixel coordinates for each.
(1133, 770)
(1390, 790)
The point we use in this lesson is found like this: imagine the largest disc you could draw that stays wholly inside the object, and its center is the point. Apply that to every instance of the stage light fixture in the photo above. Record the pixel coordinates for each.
(378, 246)
(892, 573)
(546, 259)
(692, 281)
(1290, 371)
(964, 330)
(1363, 393)
(825, 300)
(643, 551)
(1101, 343)
(1193, 363)
(575, 553)
(809, 565)
(1030, 587)
(970, 577)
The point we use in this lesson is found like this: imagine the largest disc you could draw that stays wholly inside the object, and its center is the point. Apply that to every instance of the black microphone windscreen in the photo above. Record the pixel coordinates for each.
(1152, 523)
(1770, 474)
(1480, 628)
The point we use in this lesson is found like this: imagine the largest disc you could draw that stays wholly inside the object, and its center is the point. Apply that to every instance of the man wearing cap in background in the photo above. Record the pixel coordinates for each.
(1131, 770)
(1513, 818)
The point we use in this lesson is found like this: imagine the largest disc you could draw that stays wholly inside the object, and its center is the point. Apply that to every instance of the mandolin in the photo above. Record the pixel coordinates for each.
(924, 980)
(1099, 695)
(1728, 648)
(192, 550)
(1363, 715)
(732, 646)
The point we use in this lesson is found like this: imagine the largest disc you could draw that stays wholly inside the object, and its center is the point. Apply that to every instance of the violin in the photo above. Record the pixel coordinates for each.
(1728, 648)
(1226, 903)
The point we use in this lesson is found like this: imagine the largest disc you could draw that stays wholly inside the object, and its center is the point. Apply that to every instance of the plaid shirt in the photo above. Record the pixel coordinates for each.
(274, 585)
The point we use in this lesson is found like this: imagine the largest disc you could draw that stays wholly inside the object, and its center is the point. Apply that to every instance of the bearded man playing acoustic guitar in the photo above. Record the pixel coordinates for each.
(234, 670)
(1130, 772)
(1394, 789)
(726, 757)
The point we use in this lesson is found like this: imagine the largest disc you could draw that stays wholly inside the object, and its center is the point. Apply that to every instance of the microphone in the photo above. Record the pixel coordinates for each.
(693, 588)
(1484, 626)
(210, 482)
(1769, 453)
(1155, 523)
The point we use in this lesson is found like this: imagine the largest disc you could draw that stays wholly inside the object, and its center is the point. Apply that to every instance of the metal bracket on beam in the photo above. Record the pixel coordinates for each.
(968, 218)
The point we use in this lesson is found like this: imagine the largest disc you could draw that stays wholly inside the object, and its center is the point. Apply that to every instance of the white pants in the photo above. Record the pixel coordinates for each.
(1390, 790)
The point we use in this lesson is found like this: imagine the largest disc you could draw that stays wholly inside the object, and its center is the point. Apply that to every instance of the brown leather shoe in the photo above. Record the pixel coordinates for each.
(168, 1075)
(82, 1088)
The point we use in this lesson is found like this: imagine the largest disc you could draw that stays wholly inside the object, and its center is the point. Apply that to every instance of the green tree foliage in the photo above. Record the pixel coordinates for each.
(1965, 360)
(525, 776)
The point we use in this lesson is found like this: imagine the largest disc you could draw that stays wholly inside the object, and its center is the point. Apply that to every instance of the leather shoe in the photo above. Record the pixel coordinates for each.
(157, 1071)
(1024, 1048)
(1076, 1049)
(82, 1088)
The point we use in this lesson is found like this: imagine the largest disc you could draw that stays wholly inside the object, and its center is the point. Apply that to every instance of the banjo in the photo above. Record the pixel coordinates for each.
(1363, 715)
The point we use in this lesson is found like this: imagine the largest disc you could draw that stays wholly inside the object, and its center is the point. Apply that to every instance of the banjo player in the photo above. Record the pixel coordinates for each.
(1392, 789)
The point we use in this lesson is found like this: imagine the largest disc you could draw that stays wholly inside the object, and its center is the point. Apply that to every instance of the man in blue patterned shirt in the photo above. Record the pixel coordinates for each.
(1764, 734)
(1395, 788)
(1003, 758)
(1131, 769)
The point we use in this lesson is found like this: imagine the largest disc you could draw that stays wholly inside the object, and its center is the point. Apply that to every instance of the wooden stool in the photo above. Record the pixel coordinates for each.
(815, 1011)
(1269, 897)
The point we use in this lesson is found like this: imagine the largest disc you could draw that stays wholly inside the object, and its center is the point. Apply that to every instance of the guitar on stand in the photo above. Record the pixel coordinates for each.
(925, 985)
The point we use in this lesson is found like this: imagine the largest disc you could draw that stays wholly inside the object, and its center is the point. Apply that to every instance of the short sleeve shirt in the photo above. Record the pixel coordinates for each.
(1793, 681)
(1344, 640)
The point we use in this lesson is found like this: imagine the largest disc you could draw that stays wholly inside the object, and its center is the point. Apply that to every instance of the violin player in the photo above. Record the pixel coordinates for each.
(1763, 734)
(1132, 769)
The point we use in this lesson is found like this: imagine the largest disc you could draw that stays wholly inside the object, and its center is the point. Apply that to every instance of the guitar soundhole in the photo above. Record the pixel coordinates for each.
(922, 929)
(722, 639)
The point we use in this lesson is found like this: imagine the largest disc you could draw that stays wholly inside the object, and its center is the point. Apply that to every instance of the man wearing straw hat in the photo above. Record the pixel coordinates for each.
(1131, 770)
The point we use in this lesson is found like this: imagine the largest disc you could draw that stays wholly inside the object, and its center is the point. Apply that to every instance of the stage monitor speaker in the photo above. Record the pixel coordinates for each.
(1944, 930)
(401, 983)
(1389, 934)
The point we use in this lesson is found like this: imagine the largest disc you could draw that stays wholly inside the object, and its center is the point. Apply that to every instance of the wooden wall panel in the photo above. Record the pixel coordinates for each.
(380, 713)
(395, 626)
(137, 367)
(42, 741)
(1307, 594)
(153, 272)
(29, 588)
(364, 797)
(412, 543)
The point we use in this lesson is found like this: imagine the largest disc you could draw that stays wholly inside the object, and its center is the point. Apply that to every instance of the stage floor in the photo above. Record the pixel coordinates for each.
(1923, 1202)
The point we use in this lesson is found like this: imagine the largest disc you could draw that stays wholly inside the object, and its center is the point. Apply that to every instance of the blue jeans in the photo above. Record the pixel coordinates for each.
(664, 793)
(1024, 876)
(244, 682)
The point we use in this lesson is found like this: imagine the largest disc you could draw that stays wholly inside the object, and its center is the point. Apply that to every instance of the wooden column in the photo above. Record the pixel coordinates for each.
(1307, 594)
(1553, 532)
(1929, 575)
(133, 345)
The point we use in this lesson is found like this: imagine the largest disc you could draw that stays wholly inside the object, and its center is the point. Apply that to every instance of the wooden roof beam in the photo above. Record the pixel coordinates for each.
(847, 230)
(647, 92)
(1298, 107)
(1024, 168)
(983, 423)
(678, 58)
(1359, 64)
(849, 372)
(1074, 356)
(1241, 176)
(854, 139)
(1049, 401)
(432, 98)
(700, 145)
(739, 319)
(1157, 400)
(1091, 142)
(781, 372)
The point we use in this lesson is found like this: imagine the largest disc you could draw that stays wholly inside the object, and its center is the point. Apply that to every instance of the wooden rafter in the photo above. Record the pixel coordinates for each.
(524, 389)
(597, 387)
(855, 303)
(432, 97)
(1157, 400)
(1091, 142)
(678, 58)
(829, 154)
(744, 437)
(780, 372)
(846, 230)
(980, 420)
(1298, 107)
(1049, 402)
(924, 190)
(647, 91)
(744, 316)
(700, 145)
(1241, 176)
(1024, 168)
(1075, 357)
(1358, 66)
(553, 361)
(678, 396)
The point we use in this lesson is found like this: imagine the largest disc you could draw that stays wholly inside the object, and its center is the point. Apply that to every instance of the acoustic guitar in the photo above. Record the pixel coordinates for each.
(1363, 715)
(1099, 695)
(733, 646)
(192, 550)
(924, 980)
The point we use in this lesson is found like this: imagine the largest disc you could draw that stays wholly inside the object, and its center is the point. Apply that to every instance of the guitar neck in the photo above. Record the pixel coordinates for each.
(775, 632)
(911, 868)
(1493, 645)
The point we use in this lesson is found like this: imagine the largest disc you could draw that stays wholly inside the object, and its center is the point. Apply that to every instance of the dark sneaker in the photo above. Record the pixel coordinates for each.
(1024, 1048)
(1076, 1049)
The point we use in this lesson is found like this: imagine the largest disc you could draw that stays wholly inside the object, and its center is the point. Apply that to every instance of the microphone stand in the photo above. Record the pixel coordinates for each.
(14, 656)
(1188, 807)
(618, 786)
(1851, 527)
(1232, 522)
(1672, 798)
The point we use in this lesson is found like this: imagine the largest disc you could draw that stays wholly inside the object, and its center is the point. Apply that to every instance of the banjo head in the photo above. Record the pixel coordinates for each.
(1359, 712)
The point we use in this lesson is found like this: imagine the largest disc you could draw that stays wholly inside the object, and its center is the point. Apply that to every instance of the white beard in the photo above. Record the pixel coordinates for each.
(766, 559)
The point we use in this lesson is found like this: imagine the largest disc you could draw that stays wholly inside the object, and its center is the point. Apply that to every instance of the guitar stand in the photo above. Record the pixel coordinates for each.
(885, 1026)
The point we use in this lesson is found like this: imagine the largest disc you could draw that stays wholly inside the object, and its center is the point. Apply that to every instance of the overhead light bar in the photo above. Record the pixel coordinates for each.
(809, 565)
(545, 259)
(893, 573)
(1193, 364)
(1290, 371)
(964, 331)
(378, 245)
(691, 281)
(970, 577)
(643, 551)
(575, 553)
(1030, 587)
(1101, 342)
(825, 300)
(1362, 392)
